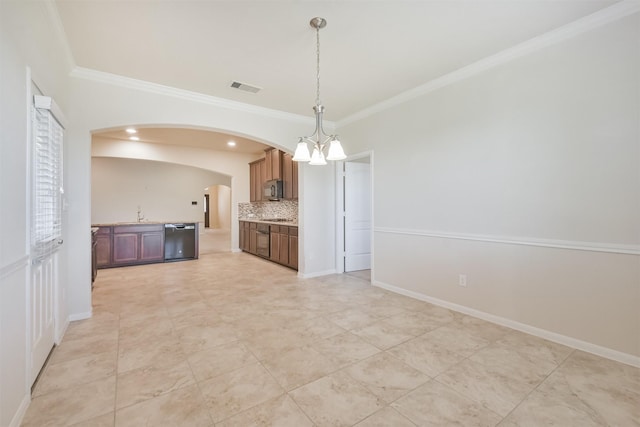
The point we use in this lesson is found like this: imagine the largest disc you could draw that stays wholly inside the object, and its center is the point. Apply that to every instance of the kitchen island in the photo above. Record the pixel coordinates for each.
(134, 243)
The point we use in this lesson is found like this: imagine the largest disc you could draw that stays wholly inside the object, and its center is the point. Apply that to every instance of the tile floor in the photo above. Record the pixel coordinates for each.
(233, 340)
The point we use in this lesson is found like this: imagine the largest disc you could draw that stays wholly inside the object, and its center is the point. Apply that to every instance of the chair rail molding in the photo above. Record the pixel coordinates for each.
(12, 267)
(516, 240)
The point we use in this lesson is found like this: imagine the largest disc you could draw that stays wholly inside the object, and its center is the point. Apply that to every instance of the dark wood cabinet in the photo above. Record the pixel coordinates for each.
(284, 245)
(257, 178)
(152, 246)
(283, 242)
(289, 177)
(274, 243)
(94, 256)
(244, 236)
(125, 248)
(138, 244)
(103, 247)
(275, 165)
(293, 248)
(253, 238)
(273, 168)
(280, 244)
(121, 245)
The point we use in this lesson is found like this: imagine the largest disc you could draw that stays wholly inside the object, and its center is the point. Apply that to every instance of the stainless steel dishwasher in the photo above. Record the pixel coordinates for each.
(179, 241)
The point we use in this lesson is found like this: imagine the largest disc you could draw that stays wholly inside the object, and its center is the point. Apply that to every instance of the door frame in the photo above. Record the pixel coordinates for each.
(340, 234)
(207, 213)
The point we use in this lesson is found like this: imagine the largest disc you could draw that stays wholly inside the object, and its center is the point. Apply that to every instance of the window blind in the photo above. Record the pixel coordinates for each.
(47, 136)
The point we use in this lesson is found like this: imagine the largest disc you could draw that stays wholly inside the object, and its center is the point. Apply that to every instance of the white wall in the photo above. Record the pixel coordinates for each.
(27, 39)
(163, 191)
(543, 150)
(223, 206)
(316, 219)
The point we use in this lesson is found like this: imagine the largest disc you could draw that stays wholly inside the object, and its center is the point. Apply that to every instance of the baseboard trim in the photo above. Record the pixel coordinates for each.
(79, 316)
(236, 251)
(316, 274)
(22, 410)
(60, 332)
(588, 347)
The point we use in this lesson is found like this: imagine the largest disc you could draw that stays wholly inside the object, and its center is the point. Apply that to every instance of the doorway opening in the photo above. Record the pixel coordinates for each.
(216, 233)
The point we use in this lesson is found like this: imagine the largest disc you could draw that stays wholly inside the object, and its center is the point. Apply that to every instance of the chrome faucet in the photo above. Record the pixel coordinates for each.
(140, 215)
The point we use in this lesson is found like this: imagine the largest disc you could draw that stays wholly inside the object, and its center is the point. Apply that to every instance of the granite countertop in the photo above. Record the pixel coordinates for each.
(291, 223)
(111, 224)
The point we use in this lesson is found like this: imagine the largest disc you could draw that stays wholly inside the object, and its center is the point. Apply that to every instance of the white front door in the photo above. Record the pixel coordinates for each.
(357, 209)
(46, 230)
(44, 274)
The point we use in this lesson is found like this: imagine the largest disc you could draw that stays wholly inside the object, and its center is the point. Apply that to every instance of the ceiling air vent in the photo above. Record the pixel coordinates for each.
(245, 87)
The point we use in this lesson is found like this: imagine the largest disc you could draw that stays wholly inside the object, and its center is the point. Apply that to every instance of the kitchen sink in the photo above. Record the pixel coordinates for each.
(276, 219)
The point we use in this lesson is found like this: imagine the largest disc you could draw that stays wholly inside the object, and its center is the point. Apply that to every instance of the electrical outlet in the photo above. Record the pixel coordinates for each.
(462, 280)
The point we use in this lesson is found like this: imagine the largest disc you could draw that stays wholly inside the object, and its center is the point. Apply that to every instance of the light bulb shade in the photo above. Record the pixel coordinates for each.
(317, 158)
(302, 153)
(335, 151)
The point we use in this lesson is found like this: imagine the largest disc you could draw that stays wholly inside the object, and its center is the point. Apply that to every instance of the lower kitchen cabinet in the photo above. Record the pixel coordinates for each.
(253, 238)
(284, 245)
(125, 248)
(282, 242)
(293, 247)
(103, 246)
(244, 235)
(152, 246)
(121, 245)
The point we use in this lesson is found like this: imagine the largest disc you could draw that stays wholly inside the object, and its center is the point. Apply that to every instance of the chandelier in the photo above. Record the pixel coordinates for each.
(319, 139)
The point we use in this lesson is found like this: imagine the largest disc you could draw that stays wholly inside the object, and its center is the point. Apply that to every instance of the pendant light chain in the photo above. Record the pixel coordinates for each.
(318, 102)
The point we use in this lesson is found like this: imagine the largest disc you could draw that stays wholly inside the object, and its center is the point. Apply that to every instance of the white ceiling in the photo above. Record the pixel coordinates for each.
(370, 50)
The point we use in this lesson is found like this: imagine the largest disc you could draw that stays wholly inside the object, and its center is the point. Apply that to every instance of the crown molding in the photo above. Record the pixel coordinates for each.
(145, 86)
(582, 25)
(126, 82)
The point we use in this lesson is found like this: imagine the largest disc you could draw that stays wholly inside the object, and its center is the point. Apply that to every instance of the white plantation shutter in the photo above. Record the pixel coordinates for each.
(47, 136)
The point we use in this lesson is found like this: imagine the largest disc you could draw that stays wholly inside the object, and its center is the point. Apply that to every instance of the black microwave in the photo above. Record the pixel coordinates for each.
(273, 190)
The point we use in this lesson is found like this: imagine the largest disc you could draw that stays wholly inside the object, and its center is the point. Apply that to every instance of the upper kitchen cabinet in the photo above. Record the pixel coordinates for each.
(273, 169)
(275, 165)
(257, 178)
(289, 176)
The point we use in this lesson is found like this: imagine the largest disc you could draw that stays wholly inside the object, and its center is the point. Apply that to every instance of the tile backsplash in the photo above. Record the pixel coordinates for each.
(256, 210)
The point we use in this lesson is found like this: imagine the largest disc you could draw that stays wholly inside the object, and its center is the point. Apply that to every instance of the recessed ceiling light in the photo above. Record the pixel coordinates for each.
(134, 138)
(131, 130)
(231, 143)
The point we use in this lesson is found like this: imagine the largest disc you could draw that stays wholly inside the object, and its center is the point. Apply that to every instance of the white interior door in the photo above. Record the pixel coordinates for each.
(43, 285)
(357, 209)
